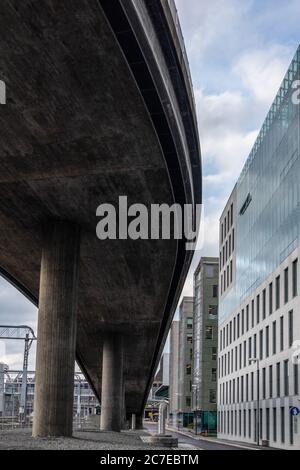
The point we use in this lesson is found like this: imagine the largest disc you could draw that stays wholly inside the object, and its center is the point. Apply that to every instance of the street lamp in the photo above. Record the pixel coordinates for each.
(256, 361)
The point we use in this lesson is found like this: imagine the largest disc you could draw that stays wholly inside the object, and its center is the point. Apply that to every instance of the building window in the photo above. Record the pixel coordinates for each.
(188, 401)
(214, 354)
(188, 369)
(278, 379)
(264, 296)
(257, 309)
(271, 298)
(243, 322)
(250, 347)
(231, 214)
(286, 378)
(214, 375)
(261, 344)
(252, 313)
(233, 240)
(189, 338)
(281, 333)
(213, 311)
(254, 347)
(245, 353)
(252, 386)
(274, 337)
(295, 278)
(296, 379)
(231, 272)
(264, 383)
(282, 412)
(274, 424)
(271, 381)
(291, 430)
(189, 323)
(238, 325)
(249, 424)
(209, 332)
(291, 328)
(267, 341)
(240, 355)
(234, 329)
(268, 423)
(215, 292)
(277, 295)
(212, 396)
(286, 285)
(247, 318)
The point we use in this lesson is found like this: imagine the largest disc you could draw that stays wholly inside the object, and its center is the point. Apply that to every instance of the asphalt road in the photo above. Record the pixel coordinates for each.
(199, 444)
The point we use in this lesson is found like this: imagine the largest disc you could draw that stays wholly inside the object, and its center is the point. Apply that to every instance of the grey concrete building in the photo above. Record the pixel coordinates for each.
(205, 343)
(184, 415)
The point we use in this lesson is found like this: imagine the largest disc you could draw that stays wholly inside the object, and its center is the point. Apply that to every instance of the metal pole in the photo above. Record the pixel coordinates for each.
(23, 401)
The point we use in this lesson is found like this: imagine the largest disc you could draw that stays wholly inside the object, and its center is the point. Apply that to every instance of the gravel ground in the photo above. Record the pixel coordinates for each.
(20, 439)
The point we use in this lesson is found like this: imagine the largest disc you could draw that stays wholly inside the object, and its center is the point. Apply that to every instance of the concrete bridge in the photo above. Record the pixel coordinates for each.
(99, 104)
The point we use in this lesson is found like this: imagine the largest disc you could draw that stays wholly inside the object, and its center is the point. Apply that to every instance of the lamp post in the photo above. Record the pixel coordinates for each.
(256, 361)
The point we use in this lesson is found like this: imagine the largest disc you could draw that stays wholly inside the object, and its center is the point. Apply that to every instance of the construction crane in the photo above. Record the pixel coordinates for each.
(26, 334)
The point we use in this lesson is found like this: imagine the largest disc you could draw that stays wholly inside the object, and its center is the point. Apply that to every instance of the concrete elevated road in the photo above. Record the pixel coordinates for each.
(99, 105)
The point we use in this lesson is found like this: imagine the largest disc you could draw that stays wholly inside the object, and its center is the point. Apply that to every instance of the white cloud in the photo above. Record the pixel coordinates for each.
(225, 140)
(209, 24)
(262, 70)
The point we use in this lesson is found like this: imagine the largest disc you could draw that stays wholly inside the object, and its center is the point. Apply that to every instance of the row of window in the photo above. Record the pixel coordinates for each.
(228, 222)
(245, 320)
(227, 250)
(227, 277)
(242, 423)
(244, 388)
(259, 346)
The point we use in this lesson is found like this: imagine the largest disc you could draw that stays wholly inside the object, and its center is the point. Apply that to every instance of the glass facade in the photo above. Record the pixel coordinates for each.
(268, 196)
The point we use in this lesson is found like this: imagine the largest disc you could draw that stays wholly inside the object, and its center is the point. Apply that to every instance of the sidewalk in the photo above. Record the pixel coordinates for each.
(241, 445)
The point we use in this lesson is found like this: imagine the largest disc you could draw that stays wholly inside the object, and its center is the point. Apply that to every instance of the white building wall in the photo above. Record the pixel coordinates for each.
(233, 408)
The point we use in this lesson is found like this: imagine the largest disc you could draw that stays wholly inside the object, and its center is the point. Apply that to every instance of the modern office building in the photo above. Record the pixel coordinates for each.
(205, 344)
(185, 415)
(259, 319)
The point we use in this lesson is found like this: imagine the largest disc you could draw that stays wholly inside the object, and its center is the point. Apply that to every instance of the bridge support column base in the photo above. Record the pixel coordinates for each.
(56, 343)
(112, 396)
(139, 422)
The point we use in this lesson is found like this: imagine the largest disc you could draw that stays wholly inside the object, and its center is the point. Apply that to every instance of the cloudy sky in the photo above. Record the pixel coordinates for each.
(239, 51)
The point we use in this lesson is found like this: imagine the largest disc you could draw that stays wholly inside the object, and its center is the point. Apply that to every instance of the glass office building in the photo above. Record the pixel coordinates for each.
(259, 307)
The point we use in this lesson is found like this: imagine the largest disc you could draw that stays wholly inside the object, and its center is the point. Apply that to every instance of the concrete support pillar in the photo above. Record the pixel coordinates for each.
(55, 359)
(133, 422)
(139, 422)
(112, 384)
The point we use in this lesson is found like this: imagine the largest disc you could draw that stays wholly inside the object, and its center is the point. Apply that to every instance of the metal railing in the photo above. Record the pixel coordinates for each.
(174, 13)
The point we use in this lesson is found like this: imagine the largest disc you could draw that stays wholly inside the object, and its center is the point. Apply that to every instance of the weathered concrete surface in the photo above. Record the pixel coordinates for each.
(76, 132)
(57, 328)
(112, 390)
